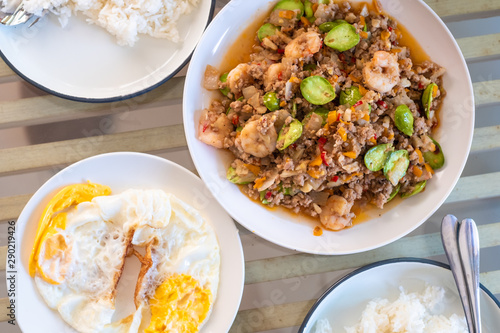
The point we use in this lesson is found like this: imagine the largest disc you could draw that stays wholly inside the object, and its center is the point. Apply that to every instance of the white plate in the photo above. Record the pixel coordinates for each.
(455, 136)
(121, 171)
(83, 62)
(343, 303)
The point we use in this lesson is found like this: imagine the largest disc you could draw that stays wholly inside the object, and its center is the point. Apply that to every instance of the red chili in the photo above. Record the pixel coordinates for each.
(280, 75)
(269, 194)
(382, 104)
(358, 104)
(294, 145)
(338, 117)
(236, 120)
(420, 86)
(335, 178)
(281, 51)
(375, 136)
(389, 28)
(321, 143)
(205, 127)
(323, 157)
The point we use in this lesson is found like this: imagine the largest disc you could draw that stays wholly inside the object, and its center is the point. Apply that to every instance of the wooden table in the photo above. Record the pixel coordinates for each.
(40, 134)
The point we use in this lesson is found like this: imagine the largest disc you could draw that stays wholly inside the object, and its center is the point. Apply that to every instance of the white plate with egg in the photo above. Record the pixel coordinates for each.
(122, 171)
(83, 62)
(343, 303)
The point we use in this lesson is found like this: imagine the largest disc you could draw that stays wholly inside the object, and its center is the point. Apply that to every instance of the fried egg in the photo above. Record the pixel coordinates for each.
(80, 253)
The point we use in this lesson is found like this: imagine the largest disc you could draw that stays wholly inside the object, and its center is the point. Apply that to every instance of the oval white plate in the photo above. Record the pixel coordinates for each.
(83, 62)
(343, 303)
(122, 171)
(455, 136)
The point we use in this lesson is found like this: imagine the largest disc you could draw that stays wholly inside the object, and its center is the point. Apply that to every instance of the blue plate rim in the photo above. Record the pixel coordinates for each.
(377, 264)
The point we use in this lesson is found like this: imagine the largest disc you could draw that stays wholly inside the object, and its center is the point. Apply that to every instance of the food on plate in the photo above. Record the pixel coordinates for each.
(411, 313)
(335, 110)
(83, 238)
(123, 19)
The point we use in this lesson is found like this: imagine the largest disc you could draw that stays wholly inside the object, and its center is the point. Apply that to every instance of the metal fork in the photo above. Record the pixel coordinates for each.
(19, 16)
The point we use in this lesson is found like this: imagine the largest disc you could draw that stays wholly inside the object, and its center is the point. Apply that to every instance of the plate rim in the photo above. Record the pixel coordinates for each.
(160, 159)
(115, 98)
(380, 263)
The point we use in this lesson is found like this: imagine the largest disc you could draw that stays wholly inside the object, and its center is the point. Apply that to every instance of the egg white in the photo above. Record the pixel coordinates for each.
(97, 234)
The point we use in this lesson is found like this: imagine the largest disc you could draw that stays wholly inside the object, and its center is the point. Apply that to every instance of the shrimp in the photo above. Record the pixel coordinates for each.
(258, 137)
(304, 46)
(238, 77)
(336, 214)
(274, 73)
(213, 131)
(382, 72)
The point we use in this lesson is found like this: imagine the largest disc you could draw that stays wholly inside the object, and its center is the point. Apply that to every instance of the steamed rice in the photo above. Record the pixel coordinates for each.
(124, 19)
(410, 313)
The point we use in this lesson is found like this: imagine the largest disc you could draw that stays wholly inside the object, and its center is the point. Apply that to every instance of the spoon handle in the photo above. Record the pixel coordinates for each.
(468, 244)
(449, 237)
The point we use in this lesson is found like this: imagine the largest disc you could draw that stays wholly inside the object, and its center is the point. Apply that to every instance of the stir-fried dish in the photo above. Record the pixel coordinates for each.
(329, 111)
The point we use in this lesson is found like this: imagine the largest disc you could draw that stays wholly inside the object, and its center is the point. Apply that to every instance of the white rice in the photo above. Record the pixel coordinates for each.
(125, 19)
(410, 313)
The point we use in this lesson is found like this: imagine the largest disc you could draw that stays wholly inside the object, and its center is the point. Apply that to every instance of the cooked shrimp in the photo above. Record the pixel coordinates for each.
(212, 131)
(304, 46)
(258, 137)
(274, 73)
(382, 72)
(336, 214)
(238, 77)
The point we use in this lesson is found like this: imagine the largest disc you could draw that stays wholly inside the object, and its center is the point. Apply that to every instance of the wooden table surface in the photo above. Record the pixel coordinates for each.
(40, 134)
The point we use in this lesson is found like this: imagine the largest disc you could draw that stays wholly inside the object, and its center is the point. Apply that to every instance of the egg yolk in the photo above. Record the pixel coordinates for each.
(180, 305)
(50, 223)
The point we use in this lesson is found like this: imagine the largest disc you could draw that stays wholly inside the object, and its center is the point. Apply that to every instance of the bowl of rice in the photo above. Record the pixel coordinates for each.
(284, 114)
(397, 295)
(103, 51)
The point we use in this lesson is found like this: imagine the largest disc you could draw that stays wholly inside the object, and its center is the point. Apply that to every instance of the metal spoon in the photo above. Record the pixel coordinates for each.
(461, 245)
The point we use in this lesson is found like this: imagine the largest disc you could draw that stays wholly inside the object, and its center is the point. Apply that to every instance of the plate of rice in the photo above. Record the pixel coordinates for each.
(397, 295)
(103, 51)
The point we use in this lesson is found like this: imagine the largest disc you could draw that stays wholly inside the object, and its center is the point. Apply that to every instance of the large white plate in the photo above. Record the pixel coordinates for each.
(455, 136)
(343, 303)
(83, 62)
(122, 171)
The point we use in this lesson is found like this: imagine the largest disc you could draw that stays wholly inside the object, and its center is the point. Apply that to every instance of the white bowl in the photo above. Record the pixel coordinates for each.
(343, 303)
(282, 228)
(122, 171)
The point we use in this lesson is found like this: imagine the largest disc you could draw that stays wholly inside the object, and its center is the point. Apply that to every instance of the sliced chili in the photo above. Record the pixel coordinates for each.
(323, 157)
(236, 120)
(321, 143)
(382, 104)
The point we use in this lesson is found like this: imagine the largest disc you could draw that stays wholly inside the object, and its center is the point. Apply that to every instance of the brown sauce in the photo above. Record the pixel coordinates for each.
(240, 51)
